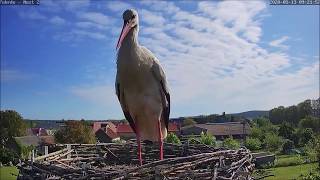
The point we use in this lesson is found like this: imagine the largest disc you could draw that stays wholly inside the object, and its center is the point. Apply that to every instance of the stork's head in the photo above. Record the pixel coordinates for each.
(130, 21)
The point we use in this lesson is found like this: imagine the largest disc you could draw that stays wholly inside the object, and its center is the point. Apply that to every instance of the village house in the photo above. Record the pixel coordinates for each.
(37, 132)
(238, 130)
(125, 131)
(105, 131)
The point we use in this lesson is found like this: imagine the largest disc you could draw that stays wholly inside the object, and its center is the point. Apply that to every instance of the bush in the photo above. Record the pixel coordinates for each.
(289, 161)
(310, 176)
(207, 139)
(256, 133)
(287, 146)
(188, 121)
(173, 138)
(311, 151)
(253, 144)
(231, 143)
(75, 132)
(7, 155)
(272, 142)
(306, 135)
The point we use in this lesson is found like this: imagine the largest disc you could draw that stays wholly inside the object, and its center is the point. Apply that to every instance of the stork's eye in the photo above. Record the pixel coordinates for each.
(133, 16)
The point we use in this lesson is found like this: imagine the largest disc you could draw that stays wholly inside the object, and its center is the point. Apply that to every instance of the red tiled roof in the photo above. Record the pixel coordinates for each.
(229, 128)
(111, 133)
(173, 127)
(37, 131)
(125, 128)
(97, 126)
(47, 139)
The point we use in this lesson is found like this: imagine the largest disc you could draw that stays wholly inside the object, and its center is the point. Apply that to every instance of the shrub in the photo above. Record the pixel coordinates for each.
(188, 121)
(231, 143)
(256, 133)
(207, 139)
(6, 156)
(289, 161)
(306, 135)
(287, 146)
(253, 144)
(310, 150)
(272, 141)
(173, 138)
(75, 132)
(311, 176)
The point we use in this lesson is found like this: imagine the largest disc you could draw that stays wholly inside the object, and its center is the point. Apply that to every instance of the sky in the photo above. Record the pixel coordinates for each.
(58, 59)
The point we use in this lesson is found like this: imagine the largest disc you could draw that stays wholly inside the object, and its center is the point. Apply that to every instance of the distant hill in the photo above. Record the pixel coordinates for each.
(251, 114)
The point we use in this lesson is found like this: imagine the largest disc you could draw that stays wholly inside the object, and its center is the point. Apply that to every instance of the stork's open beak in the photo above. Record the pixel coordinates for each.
(125, 29)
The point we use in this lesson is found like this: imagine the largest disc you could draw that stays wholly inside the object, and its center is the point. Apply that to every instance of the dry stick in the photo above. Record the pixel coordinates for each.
(61, 155)
(65, 164)
(50, 154)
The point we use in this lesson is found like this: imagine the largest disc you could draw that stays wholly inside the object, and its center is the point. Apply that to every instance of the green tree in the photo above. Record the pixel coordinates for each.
(287, 146)
(231, 143)
(188, 121)
(256, 133)
(286, 130)
(11, 125)
(272, 141)
(173, 138)
(310, 122)
(75, 132)
(253, 143)
(207, 139)
(277, 115)
(306, 135)
(291, 115)
(262, 122)
(304, 109)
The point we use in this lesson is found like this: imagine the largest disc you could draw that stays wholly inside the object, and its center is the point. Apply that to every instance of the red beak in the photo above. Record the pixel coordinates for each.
(125, 29)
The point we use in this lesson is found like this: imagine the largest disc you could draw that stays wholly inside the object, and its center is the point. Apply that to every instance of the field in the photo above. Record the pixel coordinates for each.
(288, 160)
(5, 172)
(291, 172)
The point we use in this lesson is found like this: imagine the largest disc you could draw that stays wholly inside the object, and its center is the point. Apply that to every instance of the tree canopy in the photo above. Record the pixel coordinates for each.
(11, 125)
(75, 132)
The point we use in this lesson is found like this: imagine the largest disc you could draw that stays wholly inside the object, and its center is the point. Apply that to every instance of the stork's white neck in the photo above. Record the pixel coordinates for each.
(131, 40)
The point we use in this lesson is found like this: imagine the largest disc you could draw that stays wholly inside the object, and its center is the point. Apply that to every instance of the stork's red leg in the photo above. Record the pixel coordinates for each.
(139, 147)
(160, 140)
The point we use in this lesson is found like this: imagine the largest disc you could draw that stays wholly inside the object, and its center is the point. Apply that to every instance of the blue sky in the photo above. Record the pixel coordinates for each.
(58, 59)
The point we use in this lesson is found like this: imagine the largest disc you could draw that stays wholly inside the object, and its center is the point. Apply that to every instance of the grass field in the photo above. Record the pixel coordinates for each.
(288, 160)
(5, 173)
(291, 172)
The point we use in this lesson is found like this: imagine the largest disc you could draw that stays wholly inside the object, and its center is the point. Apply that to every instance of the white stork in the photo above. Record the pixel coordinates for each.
(141, 86)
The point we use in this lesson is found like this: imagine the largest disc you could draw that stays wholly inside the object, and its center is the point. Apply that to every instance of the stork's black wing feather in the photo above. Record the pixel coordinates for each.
(158, 73)
(166, 108)
(125, 112)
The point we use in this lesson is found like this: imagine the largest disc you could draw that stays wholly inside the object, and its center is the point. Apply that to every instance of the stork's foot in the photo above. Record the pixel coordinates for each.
(161, 150)
(139, 149)
(160, 141)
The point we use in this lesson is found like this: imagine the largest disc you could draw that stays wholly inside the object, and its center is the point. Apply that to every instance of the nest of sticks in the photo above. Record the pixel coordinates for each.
(119, 161)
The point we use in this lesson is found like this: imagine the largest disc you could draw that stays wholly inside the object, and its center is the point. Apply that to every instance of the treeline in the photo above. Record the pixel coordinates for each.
(293, 114)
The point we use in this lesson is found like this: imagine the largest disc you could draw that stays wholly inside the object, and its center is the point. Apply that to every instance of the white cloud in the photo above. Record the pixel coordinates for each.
(77, 35)
(96, 17)
(161, 6)
(212, 56)
(241, 17)
(32, 15)
(56, 20)
(151, 18)
(118, 6)
(279, 43)
(88, 25)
